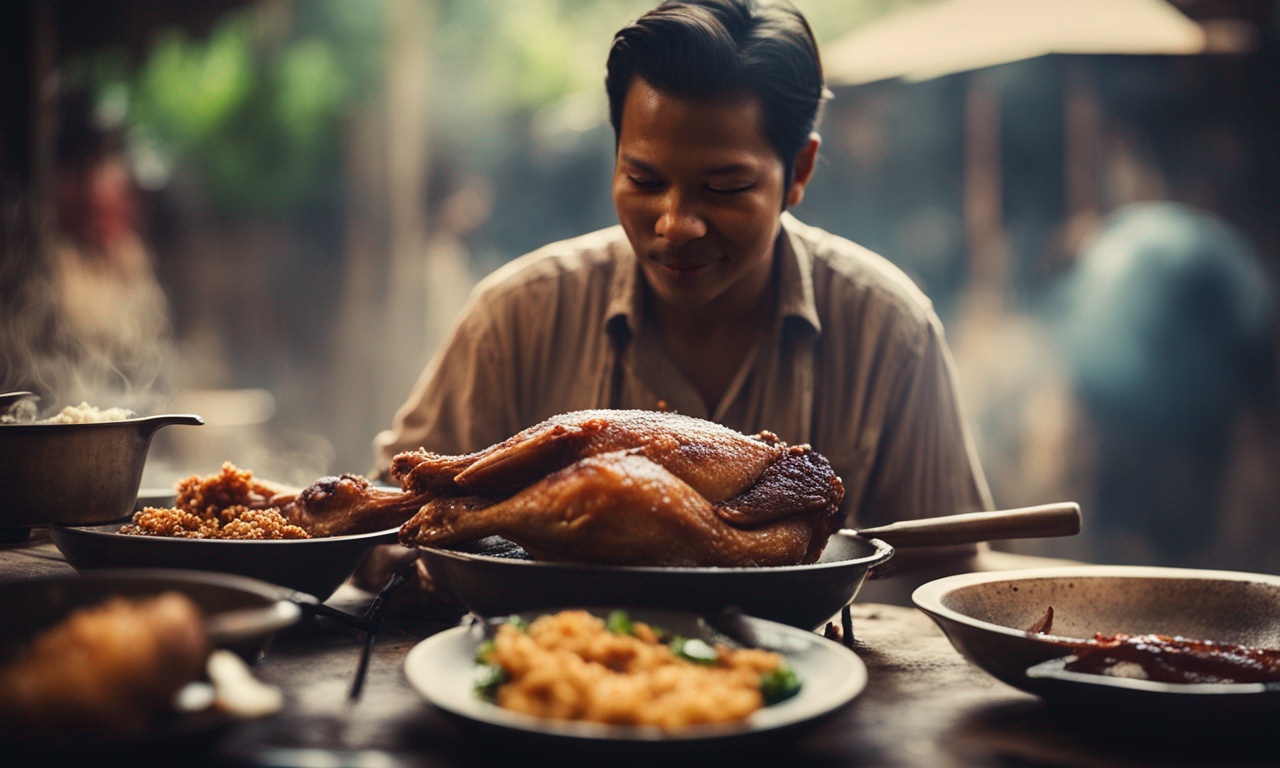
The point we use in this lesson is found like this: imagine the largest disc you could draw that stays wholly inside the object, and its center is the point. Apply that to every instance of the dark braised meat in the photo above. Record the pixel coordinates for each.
(1167, 659)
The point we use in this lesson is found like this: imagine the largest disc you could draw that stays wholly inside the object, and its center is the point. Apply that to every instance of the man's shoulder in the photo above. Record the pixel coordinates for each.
(563, 259)
(565, 264)
(846, 270)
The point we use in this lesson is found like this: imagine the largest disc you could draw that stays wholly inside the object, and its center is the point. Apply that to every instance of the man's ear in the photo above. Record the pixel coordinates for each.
(805, 161)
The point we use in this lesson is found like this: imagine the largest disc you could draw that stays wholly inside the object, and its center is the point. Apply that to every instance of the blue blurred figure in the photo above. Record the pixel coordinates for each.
(1166, 325)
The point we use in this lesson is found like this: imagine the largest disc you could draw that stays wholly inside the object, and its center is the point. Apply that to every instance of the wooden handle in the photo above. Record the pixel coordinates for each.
(1062, 519)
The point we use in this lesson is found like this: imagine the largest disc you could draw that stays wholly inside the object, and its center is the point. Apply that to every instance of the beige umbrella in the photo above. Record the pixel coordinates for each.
(950, 36)
(954, 36)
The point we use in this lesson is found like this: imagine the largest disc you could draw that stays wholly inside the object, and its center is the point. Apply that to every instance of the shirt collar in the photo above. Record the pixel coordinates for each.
(795, 285)
(795, 277)
(626, 303)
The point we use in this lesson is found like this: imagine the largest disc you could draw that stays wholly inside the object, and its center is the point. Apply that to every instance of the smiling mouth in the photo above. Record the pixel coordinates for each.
(685, 268)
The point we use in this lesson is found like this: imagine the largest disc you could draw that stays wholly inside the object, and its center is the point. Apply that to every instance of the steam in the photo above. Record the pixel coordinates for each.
(91, 338)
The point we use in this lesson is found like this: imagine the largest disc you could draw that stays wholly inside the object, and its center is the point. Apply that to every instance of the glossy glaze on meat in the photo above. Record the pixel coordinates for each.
(1167, 659)
(630, 487)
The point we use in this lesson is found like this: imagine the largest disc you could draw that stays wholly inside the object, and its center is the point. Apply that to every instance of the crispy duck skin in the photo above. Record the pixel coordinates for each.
(716, 461)
(621, 508)
(601, 486)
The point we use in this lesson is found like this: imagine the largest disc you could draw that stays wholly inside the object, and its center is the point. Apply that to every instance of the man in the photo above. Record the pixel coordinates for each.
(709, 299)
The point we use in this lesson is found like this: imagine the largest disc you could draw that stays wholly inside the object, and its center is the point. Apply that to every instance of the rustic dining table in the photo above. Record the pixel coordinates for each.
(924, 705)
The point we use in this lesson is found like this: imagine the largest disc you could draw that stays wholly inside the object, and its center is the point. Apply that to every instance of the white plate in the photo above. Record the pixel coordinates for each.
(441, 668)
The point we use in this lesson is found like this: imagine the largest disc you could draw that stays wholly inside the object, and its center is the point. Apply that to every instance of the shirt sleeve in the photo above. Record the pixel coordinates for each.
(926, 463)
(464, 400)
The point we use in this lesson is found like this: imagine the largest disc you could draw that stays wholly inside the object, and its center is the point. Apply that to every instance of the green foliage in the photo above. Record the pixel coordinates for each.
(520, 56)
(187, 92)
(255, 109)
(257, 126)
(255, 119)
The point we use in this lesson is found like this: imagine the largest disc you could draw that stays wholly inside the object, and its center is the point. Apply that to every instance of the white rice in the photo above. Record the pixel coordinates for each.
(89, 414)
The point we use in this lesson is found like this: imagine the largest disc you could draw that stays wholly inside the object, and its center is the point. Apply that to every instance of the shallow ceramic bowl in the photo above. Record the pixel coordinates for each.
(75, 474)
(986, 616)
(315, 566)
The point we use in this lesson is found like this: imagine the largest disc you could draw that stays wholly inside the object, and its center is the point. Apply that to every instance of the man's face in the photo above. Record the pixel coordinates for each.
(699, 192)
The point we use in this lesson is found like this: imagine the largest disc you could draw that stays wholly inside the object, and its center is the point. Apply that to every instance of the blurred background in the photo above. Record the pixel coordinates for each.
(268, 212)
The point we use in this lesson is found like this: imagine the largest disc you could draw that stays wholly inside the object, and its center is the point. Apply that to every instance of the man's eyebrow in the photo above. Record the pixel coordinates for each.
(642, 165)
(728, 168)
(719, 170)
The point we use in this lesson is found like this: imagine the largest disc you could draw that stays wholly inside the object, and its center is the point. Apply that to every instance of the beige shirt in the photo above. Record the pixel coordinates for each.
(855, 365)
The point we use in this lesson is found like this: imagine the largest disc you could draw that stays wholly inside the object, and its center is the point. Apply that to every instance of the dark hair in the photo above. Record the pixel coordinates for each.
(724, 49)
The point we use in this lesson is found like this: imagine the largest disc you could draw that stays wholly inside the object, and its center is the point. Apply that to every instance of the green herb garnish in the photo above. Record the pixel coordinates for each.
(487, 679)
(483, 650)
(619, 623)
(779, 684)
(695, 650)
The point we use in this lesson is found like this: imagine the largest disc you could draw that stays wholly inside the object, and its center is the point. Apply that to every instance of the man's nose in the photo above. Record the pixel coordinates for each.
(678, 223)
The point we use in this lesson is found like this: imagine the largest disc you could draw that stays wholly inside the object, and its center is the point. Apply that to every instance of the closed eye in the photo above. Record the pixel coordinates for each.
(731, 189)
(643, 183)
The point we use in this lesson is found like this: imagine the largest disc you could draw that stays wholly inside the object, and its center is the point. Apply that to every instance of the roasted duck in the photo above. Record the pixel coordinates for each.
(619, 487)
(629, 487)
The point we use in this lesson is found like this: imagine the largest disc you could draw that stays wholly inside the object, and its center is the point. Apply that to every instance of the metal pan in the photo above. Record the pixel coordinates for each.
(495, 577)
(315, 566)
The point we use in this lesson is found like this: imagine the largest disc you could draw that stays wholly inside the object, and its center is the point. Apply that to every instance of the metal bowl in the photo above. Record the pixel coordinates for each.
(986, 616)
(315, 566)
(75, 474)
(241, 614)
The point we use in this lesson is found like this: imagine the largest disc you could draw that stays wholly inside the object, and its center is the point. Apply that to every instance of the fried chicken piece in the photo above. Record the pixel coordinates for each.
(622, 508)
(346, 505)
(108, 670)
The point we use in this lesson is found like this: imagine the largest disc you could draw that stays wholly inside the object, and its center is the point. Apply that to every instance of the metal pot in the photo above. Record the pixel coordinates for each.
(75, 474)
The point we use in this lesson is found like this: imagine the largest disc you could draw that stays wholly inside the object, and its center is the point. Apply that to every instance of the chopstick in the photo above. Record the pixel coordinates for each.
(372, 621)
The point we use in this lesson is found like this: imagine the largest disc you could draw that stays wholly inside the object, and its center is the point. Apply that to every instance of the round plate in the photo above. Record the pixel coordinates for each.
(440, 668)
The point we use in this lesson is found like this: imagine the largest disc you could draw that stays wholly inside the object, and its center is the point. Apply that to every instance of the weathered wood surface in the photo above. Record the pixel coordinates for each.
(924, 706)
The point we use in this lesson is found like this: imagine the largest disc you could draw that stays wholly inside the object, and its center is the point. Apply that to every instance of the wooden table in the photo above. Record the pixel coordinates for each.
(924, 706)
